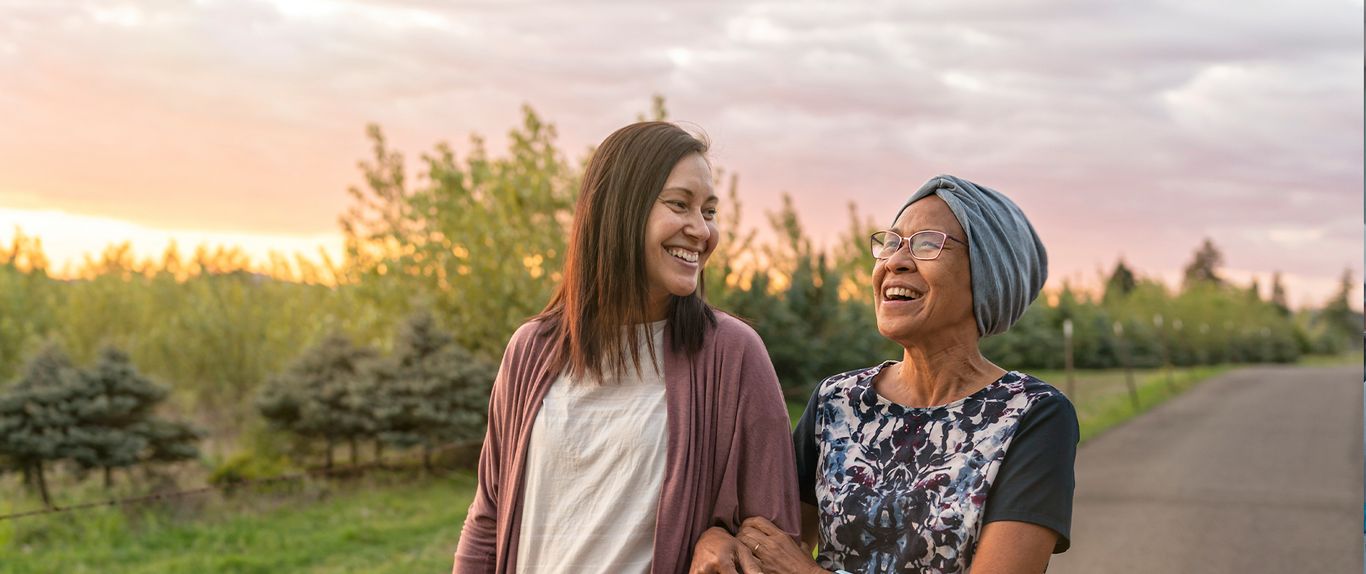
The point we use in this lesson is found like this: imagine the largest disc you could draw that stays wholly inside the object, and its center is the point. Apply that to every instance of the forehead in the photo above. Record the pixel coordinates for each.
(928, 213)
(692, 173)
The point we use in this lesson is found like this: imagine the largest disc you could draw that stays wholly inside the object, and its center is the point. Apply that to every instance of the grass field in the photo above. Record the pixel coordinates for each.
(385, 522)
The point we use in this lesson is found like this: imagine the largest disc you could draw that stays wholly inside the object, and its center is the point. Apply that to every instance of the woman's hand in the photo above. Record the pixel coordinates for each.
(778, 553)
(717, 552)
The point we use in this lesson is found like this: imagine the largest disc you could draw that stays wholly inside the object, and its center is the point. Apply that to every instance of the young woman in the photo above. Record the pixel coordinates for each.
(629, 416)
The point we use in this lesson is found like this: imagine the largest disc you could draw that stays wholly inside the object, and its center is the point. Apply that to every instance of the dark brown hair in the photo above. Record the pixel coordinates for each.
(605, 289)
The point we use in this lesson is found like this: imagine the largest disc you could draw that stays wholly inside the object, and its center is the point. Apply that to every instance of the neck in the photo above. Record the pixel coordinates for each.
(931, 376)
(659, 309)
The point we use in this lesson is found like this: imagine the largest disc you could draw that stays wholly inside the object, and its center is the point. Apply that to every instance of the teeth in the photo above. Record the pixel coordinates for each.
(684, 254)
(901, 292)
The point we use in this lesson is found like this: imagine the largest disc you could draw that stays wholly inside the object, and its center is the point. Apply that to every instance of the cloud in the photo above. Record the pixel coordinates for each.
(1121, 127)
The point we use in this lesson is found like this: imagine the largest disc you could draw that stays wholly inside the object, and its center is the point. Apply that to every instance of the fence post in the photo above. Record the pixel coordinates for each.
(1067, 359)
(1162, 345)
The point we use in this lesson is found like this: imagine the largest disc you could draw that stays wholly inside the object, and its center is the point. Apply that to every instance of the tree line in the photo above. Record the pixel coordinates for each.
(326, 352)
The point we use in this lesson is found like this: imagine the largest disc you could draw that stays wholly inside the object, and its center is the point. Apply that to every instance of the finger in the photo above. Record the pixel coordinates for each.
(763, 525)
(749, 538)
(749, 564)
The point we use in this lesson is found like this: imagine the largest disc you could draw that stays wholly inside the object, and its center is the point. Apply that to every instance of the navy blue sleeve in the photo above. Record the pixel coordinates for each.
(1036, 479)
(808, 453)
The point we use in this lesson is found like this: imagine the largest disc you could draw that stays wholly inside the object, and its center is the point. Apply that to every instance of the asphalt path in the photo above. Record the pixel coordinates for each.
(1259, 470)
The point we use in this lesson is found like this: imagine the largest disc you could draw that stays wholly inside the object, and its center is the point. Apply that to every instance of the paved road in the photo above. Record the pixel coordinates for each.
(1257, 471)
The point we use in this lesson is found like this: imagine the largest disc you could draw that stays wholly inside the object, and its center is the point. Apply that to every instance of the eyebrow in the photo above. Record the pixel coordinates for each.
(690, 193)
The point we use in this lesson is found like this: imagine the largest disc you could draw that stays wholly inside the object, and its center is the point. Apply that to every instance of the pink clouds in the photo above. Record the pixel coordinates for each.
(1133, 128)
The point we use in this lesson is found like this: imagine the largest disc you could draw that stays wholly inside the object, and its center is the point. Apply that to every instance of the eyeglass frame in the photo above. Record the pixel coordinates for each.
(872, 240)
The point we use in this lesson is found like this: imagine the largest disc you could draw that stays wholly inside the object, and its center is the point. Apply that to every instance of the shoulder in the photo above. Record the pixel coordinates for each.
(843, 386)
(532, 336)
(1035, 391)
(1045, 406)
(731, 332)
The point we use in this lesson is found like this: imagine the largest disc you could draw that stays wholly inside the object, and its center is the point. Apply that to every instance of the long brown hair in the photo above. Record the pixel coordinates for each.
(605, 291)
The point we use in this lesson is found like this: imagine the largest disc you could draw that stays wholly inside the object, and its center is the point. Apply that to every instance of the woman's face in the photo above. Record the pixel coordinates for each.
(939, 302)
(681, 232)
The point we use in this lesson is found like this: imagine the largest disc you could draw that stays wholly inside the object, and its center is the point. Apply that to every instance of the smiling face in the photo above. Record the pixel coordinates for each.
(680, 233)
(918, 301)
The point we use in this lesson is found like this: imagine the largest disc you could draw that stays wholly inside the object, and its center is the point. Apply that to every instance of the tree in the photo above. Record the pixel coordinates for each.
(117, 427)
(1204, 265)
(435, 392)
(1278, 298)
(36, 415)
(1121, 282)
(320, 396)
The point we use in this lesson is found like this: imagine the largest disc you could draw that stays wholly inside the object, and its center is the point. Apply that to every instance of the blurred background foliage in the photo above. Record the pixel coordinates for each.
(441, 267)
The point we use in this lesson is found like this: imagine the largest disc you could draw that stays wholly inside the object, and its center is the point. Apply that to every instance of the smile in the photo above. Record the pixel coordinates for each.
(684, 254)
(900, 294)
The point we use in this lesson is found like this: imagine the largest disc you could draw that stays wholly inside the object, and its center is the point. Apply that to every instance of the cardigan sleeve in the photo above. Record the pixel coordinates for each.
(476, 552)
(761, 472)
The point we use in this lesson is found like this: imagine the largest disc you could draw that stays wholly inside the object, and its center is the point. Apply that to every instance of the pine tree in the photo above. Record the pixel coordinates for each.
(1278, 297)
(1204, 265)
(435, 391)
(37, 412)
(1121, 283)
(114, 401)
(321, 395)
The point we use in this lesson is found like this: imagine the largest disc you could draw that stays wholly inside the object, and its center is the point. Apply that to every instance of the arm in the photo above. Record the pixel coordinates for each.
(1029, 510)
(476, 552)
(761, 470)
(1010, 547)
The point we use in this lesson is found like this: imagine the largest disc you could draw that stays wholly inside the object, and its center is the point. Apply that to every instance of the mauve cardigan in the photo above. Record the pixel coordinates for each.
(730, 451)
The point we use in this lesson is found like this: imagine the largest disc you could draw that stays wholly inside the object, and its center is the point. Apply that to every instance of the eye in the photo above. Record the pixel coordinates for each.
(678, 205)
(709, 213)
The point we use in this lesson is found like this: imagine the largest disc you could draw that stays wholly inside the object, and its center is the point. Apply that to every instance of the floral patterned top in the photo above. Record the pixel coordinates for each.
(904, 489)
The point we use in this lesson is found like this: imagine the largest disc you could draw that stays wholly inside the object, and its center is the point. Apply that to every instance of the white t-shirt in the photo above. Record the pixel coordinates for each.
(595, 466)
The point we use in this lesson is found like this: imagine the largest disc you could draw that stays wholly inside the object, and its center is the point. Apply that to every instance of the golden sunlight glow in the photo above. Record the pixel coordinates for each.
(69, 239)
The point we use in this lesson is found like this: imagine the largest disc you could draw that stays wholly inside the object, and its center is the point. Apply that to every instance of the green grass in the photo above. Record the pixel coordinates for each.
(386, 522)
(383, 523)
(1339, 360)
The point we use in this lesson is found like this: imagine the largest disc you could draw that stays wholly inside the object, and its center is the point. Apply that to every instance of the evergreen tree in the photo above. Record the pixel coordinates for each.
(321, 395)
(1204, 265)
(113, 401)
(1121, 283)
(1278, 297)
(37, 413)
(434, 391)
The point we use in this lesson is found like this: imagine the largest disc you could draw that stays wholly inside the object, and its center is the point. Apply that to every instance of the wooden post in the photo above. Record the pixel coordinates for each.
(1067, 359)
(1162, 345)
(1128, 366)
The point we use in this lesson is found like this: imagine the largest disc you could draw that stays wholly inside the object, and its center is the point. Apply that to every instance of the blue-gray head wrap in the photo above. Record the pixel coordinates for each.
(1008, 262)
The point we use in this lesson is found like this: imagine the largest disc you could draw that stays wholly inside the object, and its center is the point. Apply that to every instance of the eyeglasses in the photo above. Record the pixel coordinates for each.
(925, 245)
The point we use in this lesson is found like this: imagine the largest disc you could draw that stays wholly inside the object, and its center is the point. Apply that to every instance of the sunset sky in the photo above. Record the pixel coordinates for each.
(1131, 129)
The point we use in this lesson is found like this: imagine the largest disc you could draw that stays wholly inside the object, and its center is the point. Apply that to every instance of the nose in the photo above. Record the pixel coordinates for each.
(901, 260)
(696, 227)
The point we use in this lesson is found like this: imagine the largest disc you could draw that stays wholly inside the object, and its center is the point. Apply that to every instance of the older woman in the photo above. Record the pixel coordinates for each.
(943, 461)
